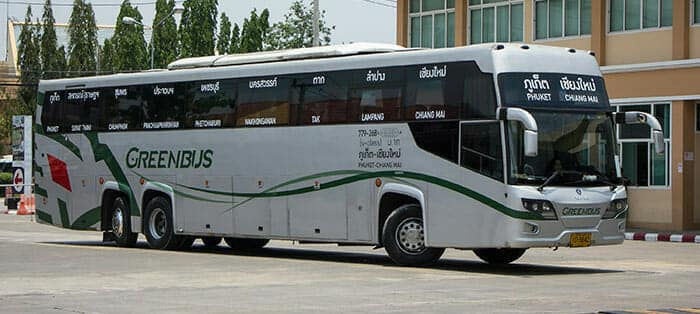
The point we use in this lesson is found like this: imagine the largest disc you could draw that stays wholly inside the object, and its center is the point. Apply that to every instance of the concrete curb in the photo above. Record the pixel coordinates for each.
(662, 237)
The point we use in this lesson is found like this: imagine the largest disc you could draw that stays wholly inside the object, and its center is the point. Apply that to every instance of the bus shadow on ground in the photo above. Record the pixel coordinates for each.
(378, 259)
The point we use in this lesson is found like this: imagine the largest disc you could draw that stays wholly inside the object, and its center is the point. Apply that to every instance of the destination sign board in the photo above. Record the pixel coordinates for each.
(553, 90)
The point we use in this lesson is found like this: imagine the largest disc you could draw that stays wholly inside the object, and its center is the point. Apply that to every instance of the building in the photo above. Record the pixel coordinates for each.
(649, 51)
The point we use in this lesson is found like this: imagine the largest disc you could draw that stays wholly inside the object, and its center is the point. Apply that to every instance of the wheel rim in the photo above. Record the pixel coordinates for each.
(411, 236)
(118, 222)
(157, 223)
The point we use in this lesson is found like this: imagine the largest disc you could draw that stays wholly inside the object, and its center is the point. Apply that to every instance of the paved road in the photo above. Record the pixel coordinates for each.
(46, 269)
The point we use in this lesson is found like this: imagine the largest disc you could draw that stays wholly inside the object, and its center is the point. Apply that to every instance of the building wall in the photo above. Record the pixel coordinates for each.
(694, 42)
(639, 47)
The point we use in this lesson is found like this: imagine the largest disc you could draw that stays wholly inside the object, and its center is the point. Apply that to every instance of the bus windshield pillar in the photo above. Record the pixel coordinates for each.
(529, 124)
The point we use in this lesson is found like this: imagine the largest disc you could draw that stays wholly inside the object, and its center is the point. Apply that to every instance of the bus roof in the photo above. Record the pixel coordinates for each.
(284, 55)
(491, 58)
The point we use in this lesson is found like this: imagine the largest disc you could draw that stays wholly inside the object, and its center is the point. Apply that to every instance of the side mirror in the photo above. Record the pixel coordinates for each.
(637, 117)
(530, 143)
(528, 121)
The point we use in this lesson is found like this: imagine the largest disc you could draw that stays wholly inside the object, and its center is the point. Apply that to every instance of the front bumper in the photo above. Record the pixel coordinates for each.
(554, 234)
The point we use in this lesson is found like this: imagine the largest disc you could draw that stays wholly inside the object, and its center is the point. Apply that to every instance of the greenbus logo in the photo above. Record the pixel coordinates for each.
(159, 159)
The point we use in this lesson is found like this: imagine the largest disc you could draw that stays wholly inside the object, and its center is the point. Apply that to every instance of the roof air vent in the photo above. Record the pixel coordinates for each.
(525, 47)
(592, 53)
(500, 47)
(572, 50)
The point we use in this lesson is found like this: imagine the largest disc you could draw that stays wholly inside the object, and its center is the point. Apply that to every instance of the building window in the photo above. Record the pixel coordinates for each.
(432, 23)
(697, 117)
(494, 20)
(696, 12)
(628, 15)
(561, 18)
(640, 162)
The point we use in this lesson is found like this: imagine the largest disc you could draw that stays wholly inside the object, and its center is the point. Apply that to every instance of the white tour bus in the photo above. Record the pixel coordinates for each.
(495, 148)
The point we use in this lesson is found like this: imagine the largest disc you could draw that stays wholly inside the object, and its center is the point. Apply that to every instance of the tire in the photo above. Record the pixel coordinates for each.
(246, 244)
(403, 238)
(121, 223)
(186, 243)
(211, 242)
(499, 256)
(158, 225)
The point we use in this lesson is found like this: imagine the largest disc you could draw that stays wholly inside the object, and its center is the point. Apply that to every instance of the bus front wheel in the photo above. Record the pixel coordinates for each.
(404, 238)
(499, 256)
(159, 225)
(121, 223)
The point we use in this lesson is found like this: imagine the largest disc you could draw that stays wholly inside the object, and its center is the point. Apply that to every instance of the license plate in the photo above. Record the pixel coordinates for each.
(580, 239)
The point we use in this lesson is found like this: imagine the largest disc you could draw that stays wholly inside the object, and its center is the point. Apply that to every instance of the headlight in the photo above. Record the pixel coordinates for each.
(616, 207)
(542, 207)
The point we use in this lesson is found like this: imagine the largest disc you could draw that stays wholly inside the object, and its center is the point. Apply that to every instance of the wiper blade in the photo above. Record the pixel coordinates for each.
(549, 180)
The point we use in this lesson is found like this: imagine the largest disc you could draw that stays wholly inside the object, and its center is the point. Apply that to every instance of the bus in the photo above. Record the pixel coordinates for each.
(494, 148)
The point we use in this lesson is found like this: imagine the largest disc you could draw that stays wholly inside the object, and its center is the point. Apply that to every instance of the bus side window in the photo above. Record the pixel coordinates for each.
(322, 99)
(377, 95)
(481, 148)
(210, 104)
(163, 106)
(81, 110)
(263, 101)
(122, 109)
(433, 98)
(52, 112)
(479, 101)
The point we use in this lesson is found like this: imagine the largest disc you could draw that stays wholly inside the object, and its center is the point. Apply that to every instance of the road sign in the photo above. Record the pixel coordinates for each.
(18, 180)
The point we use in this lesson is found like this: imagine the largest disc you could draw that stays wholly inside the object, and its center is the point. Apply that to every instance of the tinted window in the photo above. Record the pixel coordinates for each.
(479, 94)
(81, 110)
(263, 101)
(439, 138)
(123, 108)
(322, 98)
(211, 104)
(481, 149)
(163, 106)
(377, 95)
(433, 92)
(52, 112)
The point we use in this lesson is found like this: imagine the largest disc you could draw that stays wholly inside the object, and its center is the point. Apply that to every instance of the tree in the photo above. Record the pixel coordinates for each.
(29, 60)
(235, 46)
(128, 42)
(255, 29)
(223, 41)
(82, 42)
(296, 31)
(197, 28)
(165, 40)
(50, 59)
(62, 64)
(108, 57)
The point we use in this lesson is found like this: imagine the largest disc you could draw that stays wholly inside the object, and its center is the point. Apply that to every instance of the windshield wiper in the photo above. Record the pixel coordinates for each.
(549, 180)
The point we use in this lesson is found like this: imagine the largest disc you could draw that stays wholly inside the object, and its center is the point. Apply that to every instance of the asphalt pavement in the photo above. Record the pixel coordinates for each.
(45, 269)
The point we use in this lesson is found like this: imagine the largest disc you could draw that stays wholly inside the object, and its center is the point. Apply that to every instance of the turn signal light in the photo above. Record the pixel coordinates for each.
(542, 207)
(616, 208)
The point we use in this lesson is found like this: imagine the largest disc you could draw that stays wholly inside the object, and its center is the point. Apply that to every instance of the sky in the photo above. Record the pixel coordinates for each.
(355, 20)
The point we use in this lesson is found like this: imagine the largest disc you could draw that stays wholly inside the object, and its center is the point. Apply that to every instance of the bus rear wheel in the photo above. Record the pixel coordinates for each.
(159, 225)
(246, 244)
(121, 223)
(499, 256)
(404, 238)
(211, 242)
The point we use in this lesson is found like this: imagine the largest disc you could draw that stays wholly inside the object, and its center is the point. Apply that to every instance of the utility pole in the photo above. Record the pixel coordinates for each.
(316, 42)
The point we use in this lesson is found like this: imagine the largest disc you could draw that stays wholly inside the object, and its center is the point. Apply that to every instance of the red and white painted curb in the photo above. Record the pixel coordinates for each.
(662, 237)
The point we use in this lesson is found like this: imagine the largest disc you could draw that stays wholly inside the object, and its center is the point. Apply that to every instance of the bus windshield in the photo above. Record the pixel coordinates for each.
(572, 146)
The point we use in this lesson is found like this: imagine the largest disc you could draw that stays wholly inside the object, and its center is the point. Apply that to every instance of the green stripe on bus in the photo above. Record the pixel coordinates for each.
(44, 216)
(58, 138)
(40, 191)
(37, 169)
(65, 220)
(369, 175)
(88, 219)
(103, 153)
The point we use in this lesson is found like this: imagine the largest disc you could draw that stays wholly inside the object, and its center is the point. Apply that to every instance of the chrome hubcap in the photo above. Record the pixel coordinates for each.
(157, 223)
(118, 222)
(410, 235)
